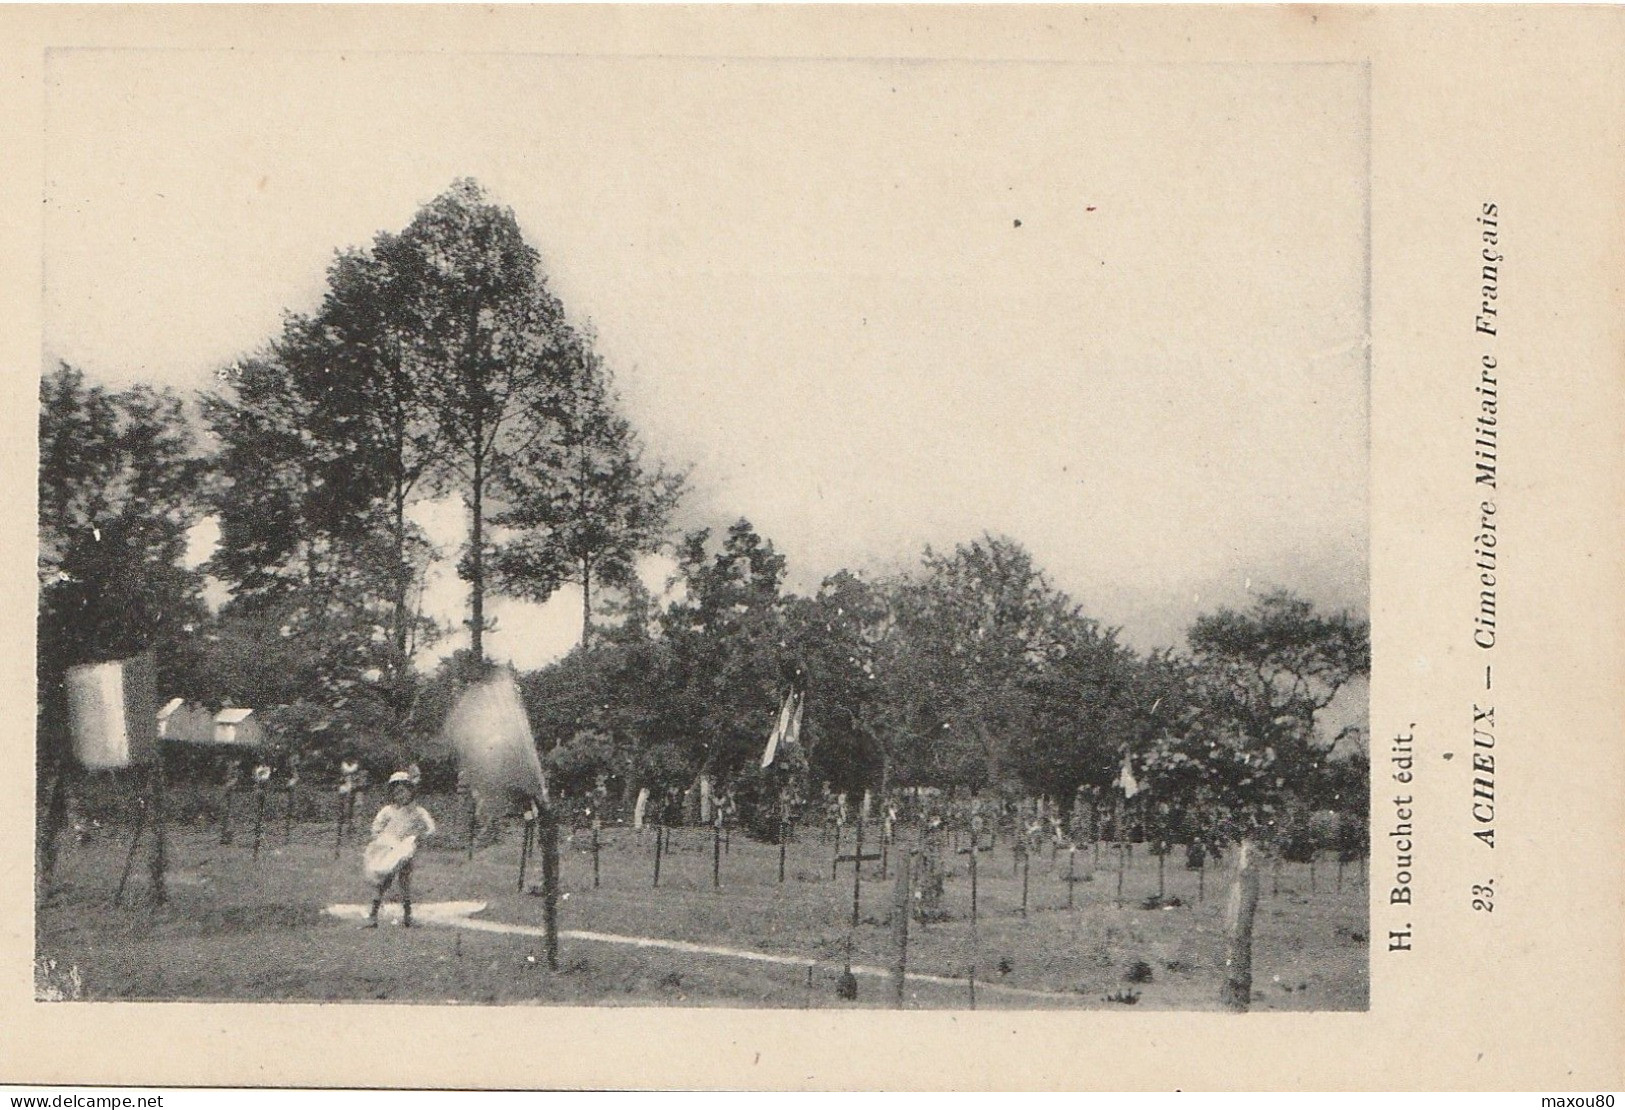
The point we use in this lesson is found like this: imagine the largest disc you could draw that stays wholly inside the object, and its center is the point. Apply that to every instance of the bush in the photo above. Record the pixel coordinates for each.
(575, 766)
(763, 794)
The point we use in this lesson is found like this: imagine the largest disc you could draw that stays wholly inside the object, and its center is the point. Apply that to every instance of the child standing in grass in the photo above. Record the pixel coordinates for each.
(395, 833)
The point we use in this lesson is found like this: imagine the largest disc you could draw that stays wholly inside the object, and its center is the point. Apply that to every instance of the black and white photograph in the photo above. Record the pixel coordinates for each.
(753, 548)
(703, 532)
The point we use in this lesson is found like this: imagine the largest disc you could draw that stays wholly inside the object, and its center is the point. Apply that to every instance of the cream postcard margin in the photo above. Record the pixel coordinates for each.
(1519, 108)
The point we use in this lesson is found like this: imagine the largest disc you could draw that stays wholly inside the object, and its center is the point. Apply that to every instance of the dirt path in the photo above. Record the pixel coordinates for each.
(459, 915)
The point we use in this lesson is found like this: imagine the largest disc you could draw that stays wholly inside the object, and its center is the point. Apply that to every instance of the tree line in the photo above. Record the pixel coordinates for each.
(438, 364)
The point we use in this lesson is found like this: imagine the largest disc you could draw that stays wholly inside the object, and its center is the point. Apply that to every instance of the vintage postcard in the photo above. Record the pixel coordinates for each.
(919, 547)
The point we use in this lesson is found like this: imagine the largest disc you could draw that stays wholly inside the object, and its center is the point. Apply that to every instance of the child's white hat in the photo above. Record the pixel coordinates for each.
(400, 777)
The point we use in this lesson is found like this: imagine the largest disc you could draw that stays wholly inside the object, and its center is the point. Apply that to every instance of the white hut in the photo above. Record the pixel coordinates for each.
(238, 727)
(182, 722)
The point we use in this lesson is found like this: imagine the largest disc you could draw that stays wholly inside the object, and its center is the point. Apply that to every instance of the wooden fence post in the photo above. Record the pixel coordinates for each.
(660, 846)
(1237, 992)
(526, 836)
(158, 863)
(900, 909)
(716, 854)
(129, 860)
(259, 817)
(338, 826)
(1025, 864)
(550, 883)
(50, 831)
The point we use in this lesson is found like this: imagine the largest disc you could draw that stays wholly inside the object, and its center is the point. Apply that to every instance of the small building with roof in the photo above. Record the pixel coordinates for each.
(239, 728)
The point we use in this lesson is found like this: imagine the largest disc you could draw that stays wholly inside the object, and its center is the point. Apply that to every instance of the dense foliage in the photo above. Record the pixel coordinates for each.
(440, 363)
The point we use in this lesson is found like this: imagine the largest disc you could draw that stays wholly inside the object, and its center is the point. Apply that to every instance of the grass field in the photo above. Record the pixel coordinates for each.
(239, 929)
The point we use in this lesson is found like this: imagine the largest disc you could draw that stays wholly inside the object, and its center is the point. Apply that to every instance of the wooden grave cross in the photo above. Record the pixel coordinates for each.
(857, 859)
(660, 848)
(1072, 878)
(716, 851)
(259, 813)
(784, 834)
(596, 825)
(527, 841)
(1022, 861)
(338, 825)
(972, 851)
(837, 859)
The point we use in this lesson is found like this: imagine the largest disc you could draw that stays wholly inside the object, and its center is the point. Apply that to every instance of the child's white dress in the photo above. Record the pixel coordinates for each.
(395, 833)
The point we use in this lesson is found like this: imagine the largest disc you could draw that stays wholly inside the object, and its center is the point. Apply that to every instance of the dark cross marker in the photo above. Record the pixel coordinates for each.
(784, 835)
(857, 859)
(660, 845)
(716, 853)
(225, 812)
(595, 824)
(338, 836)
(129, 860)
(1026, 864)
(548, 835)
(972, 851)
(1072, 880)
(525, 838)
(159, 859)
(259, 817)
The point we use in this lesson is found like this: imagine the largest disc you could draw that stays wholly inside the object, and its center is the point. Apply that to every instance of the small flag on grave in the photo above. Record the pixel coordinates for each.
(787, 730)
(794, 735)
(113, 712)
(491, 735)
(1126, 780)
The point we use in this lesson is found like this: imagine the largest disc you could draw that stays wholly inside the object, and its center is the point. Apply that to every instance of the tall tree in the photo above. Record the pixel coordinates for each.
(1272, 668)
(583, 504)
(1248, 748)
(1089, 700)
(727, 662)
(498, 346)
(359, 359)
(978, 622)
(845, 644)
(120, 485)
(303, 550)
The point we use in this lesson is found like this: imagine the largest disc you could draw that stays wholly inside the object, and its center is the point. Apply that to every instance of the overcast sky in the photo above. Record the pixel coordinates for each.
(1116, 313)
